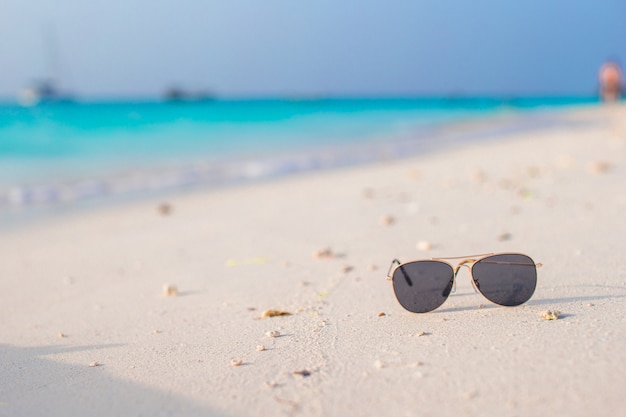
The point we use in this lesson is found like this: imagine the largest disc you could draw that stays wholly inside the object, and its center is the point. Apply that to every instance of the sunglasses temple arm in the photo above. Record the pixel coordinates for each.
(394, 262)
(537, 265)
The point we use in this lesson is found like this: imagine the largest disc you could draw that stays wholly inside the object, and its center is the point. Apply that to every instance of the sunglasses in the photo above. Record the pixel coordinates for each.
(507, 279)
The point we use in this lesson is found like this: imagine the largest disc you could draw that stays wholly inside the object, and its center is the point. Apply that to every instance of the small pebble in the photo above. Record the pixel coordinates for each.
(303, 373)
(415, 174)
(237, 362)
(470, 395)
(423, 245)
(504, 237)
(368, 193)
(324, 253)
(381, 314)
(372, 267)
(156, 331)
(478, 176)
(379, 364)
(260, 348)
(387, 220)
(590, 305)
(533, 171)
(272, 333)
(275, 313)
(165, 209)
(346, 268)
(94, 364)
(420, 334)
(525, 194)
(62, 335)
(170, 290)
(599, 167)
(551, 315)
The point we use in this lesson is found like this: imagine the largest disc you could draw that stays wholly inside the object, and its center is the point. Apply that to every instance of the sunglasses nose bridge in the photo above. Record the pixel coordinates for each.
(456, 272)
(467, 263)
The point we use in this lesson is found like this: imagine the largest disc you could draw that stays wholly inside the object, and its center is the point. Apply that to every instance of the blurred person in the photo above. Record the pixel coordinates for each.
(611, 81)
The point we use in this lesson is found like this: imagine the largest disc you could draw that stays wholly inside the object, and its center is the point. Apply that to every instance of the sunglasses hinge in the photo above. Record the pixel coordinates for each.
(394, 262)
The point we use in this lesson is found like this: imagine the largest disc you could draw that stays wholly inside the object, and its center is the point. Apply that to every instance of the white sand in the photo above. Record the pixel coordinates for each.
(97, 277)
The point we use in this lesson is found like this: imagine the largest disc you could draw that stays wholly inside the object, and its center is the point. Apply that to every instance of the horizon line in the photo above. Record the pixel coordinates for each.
(308, 97)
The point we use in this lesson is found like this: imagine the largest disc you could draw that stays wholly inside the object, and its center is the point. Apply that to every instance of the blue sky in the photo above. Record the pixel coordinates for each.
(316, 47)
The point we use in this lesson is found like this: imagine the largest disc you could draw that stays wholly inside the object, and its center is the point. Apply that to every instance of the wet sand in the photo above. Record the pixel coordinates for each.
(88, 327)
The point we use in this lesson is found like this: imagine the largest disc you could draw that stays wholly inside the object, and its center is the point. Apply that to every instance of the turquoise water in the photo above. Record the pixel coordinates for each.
(63, 152)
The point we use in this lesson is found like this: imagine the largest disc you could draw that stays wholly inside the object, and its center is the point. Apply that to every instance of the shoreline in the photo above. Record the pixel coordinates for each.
(19, 203)
(88, 289)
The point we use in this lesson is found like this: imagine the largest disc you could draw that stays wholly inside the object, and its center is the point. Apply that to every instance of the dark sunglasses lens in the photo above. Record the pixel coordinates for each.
(422, 286)
(508, 279)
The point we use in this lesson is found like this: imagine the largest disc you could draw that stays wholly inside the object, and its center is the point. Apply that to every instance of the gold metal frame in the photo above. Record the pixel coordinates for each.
(467, 261)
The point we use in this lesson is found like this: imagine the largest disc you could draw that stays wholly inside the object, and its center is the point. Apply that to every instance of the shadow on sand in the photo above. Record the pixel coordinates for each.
(486, 305)
(32, 385)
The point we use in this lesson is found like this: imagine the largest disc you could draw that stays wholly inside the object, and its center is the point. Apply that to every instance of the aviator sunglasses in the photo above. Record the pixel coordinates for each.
(507, 279)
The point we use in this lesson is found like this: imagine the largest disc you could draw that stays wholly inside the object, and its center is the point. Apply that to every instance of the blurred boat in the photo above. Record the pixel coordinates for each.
(176, 94)
(42, 91)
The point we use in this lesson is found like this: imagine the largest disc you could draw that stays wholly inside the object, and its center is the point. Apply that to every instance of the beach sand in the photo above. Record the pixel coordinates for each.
(86, 327)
